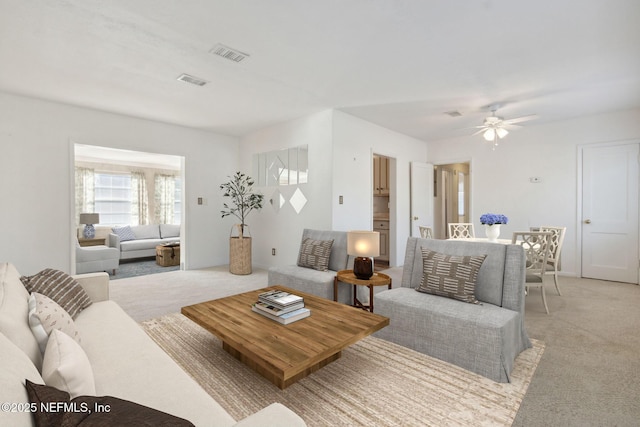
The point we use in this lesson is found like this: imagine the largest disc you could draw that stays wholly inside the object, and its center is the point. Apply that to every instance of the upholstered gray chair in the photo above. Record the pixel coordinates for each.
(99, 258)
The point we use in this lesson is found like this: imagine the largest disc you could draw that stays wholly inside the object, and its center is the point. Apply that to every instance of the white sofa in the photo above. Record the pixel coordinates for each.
(125, 362)
(147, 237)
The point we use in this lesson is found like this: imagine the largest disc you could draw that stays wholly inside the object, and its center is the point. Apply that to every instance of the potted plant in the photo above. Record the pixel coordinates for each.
(239, 189)
(492, 223)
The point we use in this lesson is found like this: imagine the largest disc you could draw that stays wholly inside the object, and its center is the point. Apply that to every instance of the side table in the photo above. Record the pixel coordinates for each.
(347, 276)
(91, 242)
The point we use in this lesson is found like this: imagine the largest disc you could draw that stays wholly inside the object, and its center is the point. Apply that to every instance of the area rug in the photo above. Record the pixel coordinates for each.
(141, 267)
(374, 383)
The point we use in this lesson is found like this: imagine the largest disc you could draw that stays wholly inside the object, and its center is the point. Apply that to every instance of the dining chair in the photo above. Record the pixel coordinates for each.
(555, 247)
(426, 232)
(536, 245)
(461, 230)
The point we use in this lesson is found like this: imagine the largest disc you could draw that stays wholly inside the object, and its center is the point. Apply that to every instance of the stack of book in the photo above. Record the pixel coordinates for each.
(281, 306)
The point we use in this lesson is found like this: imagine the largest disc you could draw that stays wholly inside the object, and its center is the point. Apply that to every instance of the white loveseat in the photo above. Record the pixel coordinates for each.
(125, 362)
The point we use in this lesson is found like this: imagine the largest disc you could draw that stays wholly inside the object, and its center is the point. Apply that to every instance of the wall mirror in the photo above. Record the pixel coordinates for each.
(281, 167)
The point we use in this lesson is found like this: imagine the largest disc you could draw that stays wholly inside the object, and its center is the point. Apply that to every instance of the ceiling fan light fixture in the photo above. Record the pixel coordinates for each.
(489, 134)
(502, 132)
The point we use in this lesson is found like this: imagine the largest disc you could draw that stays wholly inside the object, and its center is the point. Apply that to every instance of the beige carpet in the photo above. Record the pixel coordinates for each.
(375, 383)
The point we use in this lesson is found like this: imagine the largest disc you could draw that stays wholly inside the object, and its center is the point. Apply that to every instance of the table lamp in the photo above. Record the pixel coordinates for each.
(363, 245)
(88, 219)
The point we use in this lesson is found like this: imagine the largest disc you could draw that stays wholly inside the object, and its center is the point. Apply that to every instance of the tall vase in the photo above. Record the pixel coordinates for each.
(240, 250)
(492, 232)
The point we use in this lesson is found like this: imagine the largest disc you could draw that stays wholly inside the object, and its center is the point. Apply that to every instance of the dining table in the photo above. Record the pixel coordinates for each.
(485, 240)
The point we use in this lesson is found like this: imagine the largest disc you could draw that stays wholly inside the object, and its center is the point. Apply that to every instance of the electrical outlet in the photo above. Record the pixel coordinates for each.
(273, 251)
(200, 201)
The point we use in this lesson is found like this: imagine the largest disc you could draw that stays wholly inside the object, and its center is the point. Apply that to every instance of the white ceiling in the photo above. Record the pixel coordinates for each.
(399, 63)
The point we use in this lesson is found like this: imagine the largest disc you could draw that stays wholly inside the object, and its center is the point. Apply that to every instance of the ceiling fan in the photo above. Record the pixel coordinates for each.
(495, 128)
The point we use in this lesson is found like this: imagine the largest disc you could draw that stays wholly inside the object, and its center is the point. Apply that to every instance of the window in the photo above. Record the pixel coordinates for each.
(113, 198)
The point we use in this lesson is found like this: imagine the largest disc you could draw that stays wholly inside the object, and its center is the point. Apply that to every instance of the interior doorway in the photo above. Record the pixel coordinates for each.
(383, 194)
(452, 196)
(127, 188)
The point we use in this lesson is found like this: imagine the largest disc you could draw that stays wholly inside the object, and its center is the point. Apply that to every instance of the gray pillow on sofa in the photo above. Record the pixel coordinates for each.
(451, 276)
(125, 233)
(315, 254)
(151, 231)
(169, 230)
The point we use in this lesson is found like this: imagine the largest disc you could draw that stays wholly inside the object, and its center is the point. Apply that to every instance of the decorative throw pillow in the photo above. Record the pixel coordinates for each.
(452, 276)
(61, 288)
(101, 410)
(45, 315)
(125, 233)
(315, 254)
(169, 230)
(66, 366)
(149, 231)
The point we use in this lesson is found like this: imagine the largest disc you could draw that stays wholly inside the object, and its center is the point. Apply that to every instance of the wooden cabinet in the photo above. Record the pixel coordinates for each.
(380, 176)
(382, 227)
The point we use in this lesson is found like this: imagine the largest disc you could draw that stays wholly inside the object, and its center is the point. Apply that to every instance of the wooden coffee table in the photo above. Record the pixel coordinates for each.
(284, 353)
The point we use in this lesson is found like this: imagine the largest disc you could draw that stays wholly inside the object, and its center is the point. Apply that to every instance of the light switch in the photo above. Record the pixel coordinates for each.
(340, 200)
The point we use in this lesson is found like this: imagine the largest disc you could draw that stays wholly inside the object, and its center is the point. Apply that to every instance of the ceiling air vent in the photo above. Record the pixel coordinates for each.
(193, 80)
(228, 53)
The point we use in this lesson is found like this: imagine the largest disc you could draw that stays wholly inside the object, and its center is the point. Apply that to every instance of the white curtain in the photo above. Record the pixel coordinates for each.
(85, 191)
(139, 199)
(164, 198)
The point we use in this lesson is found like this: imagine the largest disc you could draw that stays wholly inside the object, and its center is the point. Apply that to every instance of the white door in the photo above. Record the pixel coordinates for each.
(610, 212)
(421, 196)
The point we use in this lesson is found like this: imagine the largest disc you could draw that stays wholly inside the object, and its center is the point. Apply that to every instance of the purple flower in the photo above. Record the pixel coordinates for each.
(490, 219)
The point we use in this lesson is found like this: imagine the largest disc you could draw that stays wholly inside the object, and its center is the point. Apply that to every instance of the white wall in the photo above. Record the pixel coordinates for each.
(500, 178)
(36, 164)
(340, 163)
(283, 230)
(355, 141)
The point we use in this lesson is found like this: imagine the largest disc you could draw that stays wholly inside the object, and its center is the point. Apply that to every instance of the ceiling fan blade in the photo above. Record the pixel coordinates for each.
(520, 119)
(510, 126)
(479, 132)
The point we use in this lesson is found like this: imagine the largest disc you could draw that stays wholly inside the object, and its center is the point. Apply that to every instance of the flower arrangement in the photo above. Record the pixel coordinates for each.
(491, 219)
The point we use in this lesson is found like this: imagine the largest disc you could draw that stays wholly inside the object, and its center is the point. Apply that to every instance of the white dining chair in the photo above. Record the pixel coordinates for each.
(536, 245)
(557, 239)
(426, 232)
(461, 230)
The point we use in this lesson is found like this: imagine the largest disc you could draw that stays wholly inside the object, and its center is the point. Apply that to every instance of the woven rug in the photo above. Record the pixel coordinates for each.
(374, 383)
(141, 267)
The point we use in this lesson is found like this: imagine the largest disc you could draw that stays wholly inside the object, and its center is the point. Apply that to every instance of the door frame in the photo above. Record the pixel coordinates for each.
(470, 190)
(578, 223)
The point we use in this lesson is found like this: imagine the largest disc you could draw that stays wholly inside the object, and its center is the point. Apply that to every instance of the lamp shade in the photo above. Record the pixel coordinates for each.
(363, 243)
(89, 218)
